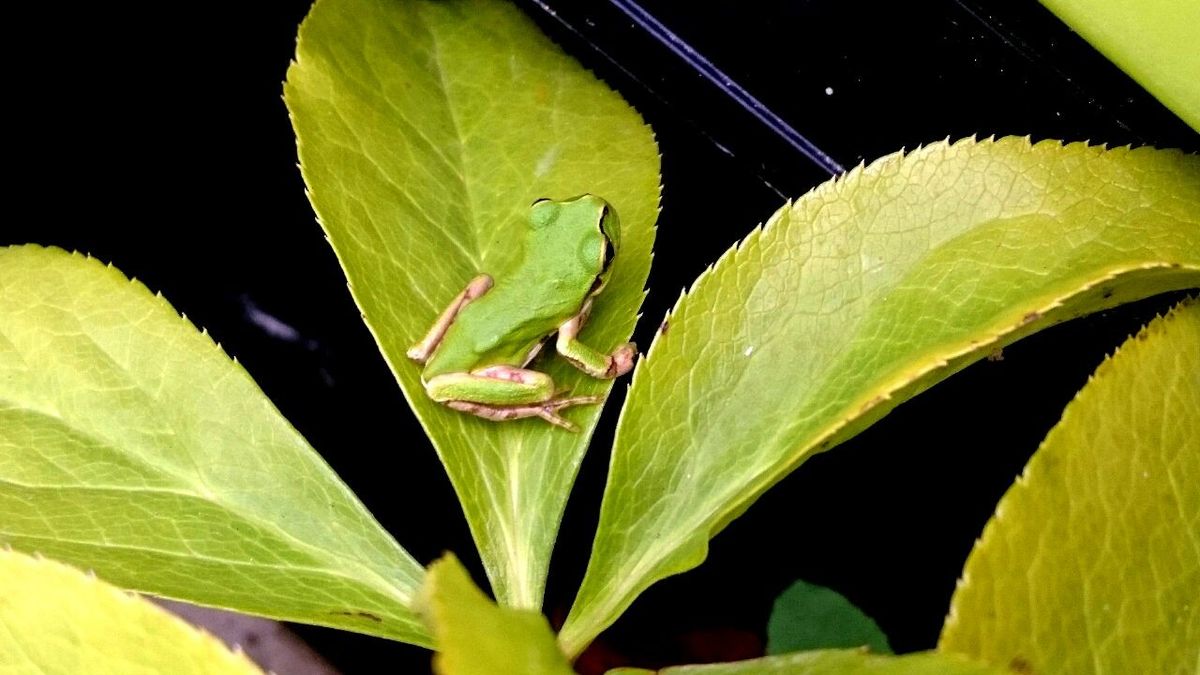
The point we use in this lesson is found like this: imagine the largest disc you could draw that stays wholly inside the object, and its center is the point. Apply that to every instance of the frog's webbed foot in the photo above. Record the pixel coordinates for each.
(547, 410)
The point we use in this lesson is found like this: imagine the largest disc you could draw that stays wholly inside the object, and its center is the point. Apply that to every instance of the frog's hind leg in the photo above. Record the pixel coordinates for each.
(547, 410)
(588, 359)
(420, 352)
(501, 393)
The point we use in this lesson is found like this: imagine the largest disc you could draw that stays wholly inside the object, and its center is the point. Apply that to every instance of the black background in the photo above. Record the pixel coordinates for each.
(157, 140)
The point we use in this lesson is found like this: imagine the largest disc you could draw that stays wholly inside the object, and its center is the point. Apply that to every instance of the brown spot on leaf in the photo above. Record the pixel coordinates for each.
(358, 614)
(875, 400)
(1030, 318)
(664, 326)
(996, 355)
(1020, 665)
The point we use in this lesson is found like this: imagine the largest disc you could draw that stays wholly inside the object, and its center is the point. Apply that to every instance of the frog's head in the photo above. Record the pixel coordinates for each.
(610, 229)
(587, 223)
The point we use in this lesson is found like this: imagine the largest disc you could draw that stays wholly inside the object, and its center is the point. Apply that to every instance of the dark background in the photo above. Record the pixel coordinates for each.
(157, 139)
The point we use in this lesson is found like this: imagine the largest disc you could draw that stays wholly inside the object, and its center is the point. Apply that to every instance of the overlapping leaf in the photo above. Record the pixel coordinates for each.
(807, 616)
(425, 131)
(1092, 561)
(131, 445)
(55, 620)
(475, 637)
(858, 296)
(840, 662)
(1154, 41)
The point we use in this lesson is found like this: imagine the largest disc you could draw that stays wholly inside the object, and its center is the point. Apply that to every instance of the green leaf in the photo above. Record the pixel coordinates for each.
(1092, 561)
(131, 445)
(863, 293)
(56, 620)
(807, 616)
(1153, 41)
(843, 662)
(475, 637)
(426, 129)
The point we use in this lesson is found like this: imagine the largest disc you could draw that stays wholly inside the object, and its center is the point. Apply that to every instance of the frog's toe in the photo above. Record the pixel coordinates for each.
(567, 401)
(549, 415)
(622, 360)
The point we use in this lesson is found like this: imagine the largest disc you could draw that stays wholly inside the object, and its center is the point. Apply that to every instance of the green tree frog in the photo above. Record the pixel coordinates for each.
(476, 353)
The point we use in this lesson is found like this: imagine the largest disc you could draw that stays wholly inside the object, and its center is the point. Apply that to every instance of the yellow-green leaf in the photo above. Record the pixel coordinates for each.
(475, 637)
(1092, 561)
(863, 293)
(425, 131)
(131, 445)
(1154, 41)
(56, 620)
(843, 662)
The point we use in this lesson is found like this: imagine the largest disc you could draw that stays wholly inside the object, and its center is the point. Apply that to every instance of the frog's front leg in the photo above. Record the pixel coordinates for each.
(504, 393)
(589, 360)
(420, 352)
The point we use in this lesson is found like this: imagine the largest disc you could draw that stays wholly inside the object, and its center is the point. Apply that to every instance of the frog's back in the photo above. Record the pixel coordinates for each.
(564, 256)
(490, 331)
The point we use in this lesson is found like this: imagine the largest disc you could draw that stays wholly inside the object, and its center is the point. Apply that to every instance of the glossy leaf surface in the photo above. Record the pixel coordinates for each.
(426, 130)
(132, 445)
(56, 620)
(1092, 561)
(1153, 41)
(863, 293)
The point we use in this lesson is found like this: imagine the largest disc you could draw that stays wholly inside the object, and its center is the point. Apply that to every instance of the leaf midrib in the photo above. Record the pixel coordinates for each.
(887, 391)
(511, 444)
(459, 145)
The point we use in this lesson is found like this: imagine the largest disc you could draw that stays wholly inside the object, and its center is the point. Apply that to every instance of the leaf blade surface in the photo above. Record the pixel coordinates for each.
(56, 620)
(863, 293)
(475, 637)
(132, 445)
(843, 662)
(807, 617)
(1153, 41)
(1092, 561)
(425, 131)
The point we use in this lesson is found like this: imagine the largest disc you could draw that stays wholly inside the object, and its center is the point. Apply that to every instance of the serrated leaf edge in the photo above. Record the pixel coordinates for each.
(383, 586)
(1031, 319)
(1153, 330)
